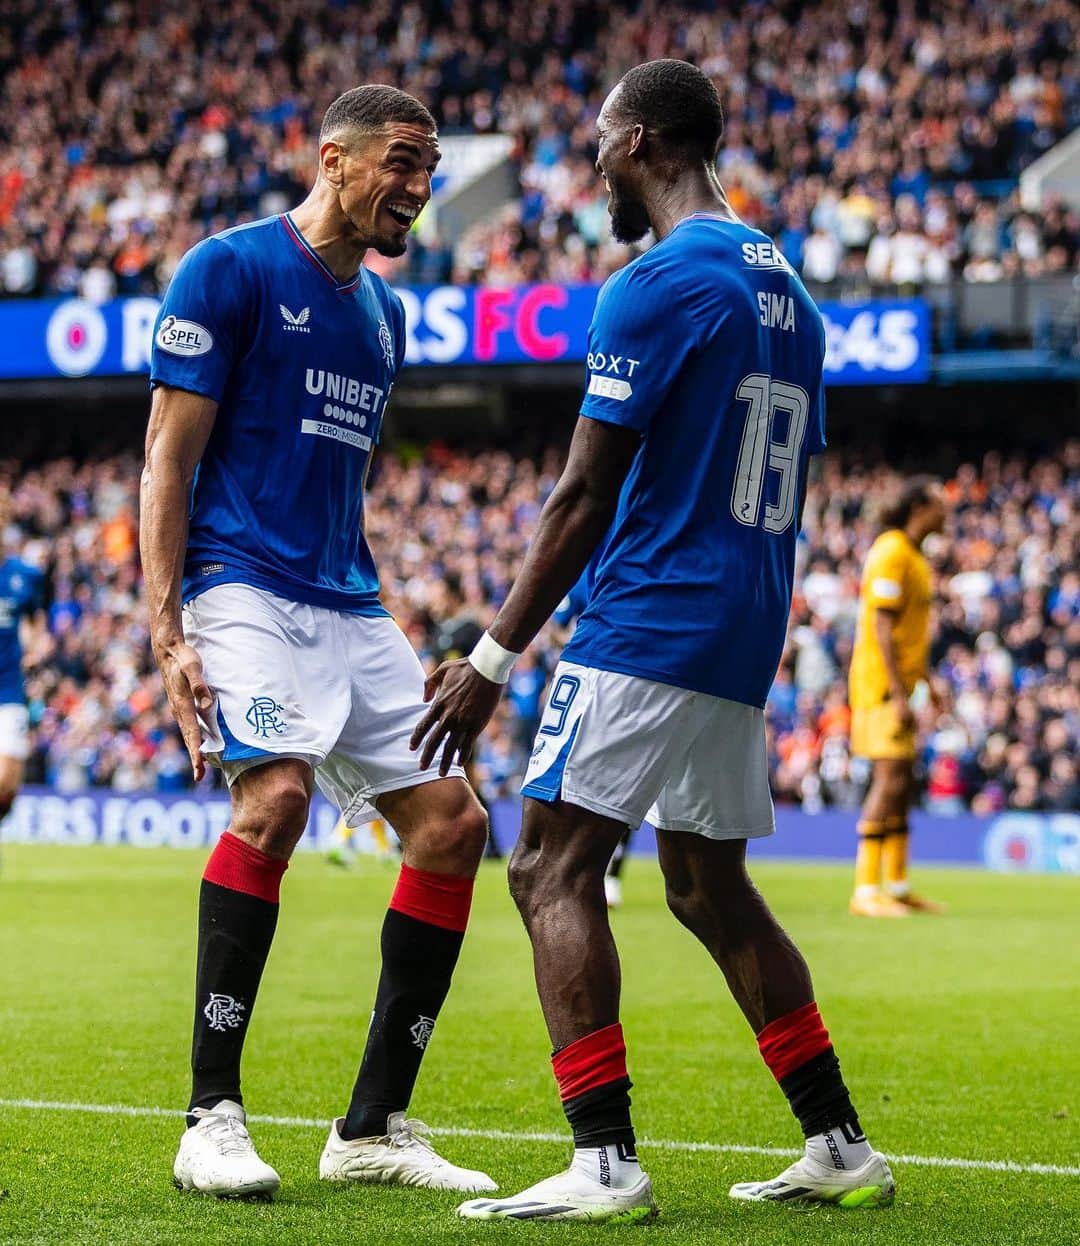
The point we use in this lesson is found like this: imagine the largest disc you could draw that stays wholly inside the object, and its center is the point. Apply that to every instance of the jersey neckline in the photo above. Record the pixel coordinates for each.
(313, 257)
(711, 216)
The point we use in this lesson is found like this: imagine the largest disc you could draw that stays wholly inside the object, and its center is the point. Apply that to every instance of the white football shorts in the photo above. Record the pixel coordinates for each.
(292, 680)
(635, 750)
(14, 731)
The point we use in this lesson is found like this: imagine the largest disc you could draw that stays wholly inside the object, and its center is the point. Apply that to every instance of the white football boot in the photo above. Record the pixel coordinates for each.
(402, 1156)
(217, 1156)
(569, 1195)
(807, 1181)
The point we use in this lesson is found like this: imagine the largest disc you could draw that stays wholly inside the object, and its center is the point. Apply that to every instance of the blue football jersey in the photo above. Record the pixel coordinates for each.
(577, 598)
(20, 594)
(709, 346)
(301, 366)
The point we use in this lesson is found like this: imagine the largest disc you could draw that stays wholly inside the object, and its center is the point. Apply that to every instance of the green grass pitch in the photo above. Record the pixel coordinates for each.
(959, 1036)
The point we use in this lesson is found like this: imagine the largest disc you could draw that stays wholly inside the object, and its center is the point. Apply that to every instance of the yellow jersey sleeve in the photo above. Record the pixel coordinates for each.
(885, 578)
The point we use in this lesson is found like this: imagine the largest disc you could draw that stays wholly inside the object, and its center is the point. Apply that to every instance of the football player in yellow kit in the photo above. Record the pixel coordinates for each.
(888, 664)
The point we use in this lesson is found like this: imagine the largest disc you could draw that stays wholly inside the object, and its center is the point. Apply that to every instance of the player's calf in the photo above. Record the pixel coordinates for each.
(443, 830)
(238, 911)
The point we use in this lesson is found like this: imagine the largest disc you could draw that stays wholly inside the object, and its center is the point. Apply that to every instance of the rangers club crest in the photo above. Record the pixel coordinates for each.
(386, 341)
(223, 1012)
(264, 715)
(421, 1031)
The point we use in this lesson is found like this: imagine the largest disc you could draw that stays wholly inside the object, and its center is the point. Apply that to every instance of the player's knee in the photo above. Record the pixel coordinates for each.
(529, 881)
(896, 784)
(520, 876)
(890, 773)
(541, 880)
(721, 919)
(453, 841)
(274, 825)
(691, 908)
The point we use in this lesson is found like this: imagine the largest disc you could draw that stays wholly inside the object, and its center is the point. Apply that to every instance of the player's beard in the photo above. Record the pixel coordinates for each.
(629, 220)
(391, 247)
(387, 244)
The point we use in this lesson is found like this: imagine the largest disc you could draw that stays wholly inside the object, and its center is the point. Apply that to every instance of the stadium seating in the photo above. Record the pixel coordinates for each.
(870, 140)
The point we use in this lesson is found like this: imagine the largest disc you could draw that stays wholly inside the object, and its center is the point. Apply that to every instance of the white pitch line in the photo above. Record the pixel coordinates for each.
(507, 1135)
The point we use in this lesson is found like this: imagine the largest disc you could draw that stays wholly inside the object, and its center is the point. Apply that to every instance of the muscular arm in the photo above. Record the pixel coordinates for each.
(180, 425)
(574, 520)
(572, 524)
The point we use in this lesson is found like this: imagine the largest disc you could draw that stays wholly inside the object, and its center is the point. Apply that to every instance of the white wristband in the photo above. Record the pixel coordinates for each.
(492, 660)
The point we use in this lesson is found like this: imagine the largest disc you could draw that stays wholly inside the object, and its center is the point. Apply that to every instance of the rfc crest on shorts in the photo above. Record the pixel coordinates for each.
(264, 716)
(341, 692)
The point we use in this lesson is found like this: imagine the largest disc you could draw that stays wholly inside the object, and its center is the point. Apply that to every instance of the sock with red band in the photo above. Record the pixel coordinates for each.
(797, 1049)
(421, 939)
(238, 911)
(595, 1090)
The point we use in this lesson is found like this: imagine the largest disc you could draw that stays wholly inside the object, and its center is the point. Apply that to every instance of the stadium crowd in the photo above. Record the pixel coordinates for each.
(449, 530)
(882, 140)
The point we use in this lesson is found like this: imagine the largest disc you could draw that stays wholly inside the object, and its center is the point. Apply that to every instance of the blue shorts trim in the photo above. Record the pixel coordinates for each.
(548, 786)
(236, 750)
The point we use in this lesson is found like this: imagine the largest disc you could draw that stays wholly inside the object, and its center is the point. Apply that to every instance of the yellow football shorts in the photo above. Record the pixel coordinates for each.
(876, 734)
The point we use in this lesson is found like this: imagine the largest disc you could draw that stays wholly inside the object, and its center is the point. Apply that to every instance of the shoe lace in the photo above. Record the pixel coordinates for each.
(411, 1133)
(228, 1134)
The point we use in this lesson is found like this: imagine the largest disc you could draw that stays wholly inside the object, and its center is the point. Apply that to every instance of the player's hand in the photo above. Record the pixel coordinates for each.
(905, 715)
(189, 695)
(462, 702)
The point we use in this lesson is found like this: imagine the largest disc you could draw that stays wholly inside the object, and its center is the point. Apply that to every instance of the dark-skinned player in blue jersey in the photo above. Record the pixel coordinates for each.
(703, 405)
(273, 359)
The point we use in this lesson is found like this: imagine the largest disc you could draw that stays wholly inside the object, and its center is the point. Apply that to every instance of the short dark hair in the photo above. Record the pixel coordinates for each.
(368, 108)
(675, 101)
(913, 493)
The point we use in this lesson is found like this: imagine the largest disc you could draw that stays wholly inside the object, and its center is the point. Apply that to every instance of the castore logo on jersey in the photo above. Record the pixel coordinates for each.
(297, 323)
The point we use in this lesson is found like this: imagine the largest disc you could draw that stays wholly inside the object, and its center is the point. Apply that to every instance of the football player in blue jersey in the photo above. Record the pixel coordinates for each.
(273, 358)
(20, 596)
(703, 405)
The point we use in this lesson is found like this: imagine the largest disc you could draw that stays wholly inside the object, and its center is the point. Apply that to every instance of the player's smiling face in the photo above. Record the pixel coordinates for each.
(618, 142)
(386, 183)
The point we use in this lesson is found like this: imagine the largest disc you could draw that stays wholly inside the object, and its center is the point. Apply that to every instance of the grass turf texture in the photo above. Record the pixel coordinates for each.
(958, 1038)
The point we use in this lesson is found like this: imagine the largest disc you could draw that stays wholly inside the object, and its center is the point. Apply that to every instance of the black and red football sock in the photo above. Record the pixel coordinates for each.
(421, 939)
(800, 1055)
(595, 1088)
(238, 912)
